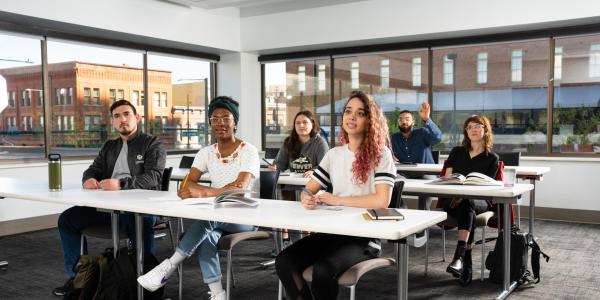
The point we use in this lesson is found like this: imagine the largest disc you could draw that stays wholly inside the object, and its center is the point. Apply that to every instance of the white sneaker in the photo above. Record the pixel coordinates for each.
(219, 296)
(157, 277)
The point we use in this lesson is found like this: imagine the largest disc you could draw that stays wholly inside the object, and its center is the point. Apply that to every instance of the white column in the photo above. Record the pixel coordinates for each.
(238, 76)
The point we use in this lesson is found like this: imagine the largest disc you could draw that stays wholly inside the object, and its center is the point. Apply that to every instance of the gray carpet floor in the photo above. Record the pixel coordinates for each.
(35, 268)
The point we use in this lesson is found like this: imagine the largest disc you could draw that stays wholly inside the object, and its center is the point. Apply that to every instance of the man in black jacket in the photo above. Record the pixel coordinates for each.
(133, 161)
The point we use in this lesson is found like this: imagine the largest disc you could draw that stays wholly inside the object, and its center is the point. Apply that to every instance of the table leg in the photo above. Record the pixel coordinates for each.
(507, 287)
(114, 218)
(531, 206)
(402, 268)
(139, 246)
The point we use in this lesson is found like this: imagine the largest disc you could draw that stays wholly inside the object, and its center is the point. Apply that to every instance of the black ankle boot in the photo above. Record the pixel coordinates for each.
(467, 274)
(456, 266)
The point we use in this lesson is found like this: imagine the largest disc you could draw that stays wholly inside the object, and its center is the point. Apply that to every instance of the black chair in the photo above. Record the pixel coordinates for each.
(105, 232)
(510, 158)
(351, 277)
(186, 162)
(268, 188)
(271, 153)
(436, 156)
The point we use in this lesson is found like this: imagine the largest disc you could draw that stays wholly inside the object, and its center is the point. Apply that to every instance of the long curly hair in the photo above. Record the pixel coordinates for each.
(292, 142)
(488, 136)
(375, 138)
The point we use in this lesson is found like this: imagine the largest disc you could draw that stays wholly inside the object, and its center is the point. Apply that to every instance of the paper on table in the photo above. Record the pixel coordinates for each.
(202, 201)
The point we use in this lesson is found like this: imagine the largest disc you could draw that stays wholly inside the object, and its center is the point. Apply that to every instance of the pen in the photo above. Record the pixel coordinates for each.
(268, 163)
(185, 179)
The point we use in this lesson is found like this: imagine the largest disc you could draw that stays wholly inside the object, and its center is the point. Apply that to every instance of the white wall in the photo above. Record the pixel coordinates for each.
(381, 21)
(238, 76)
(218, 29)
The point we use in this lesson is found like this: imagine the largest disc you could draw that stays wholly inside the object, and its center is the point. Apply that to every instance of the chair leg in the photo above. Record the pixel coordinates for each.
(280, 291)
(482, 253)
(443, 244)
(171, 233)
(180, 270)
(518, 214)
(352, 292)
(81, 247)
(427, 253)
(228, 291)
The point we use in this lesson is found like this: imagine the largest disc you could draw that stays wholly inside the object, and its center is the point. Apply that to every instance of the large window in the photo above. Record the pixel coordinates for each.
(517, 113)
(83, 80)
(180, 89)
(576, 125)
(84, 77)
(389, 77)
(21, 132)
(287, 93)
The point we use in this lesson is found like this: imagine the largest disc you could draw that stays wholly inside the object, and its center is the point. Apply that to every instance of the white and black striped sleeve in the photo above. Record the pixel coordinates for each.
(385, 172)
(321, 173)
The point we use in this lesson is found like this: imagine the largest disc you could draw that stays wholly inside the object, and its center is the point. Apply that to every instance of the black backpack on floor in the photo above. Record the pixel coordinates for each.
(119, 282)
(102, 277)
(519, 252)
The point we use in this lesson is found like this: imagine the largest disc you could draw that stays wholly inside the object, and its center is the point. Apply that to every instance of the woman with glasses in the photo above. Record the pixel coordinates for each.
(474, 155)
(361, 172)
(232, 164)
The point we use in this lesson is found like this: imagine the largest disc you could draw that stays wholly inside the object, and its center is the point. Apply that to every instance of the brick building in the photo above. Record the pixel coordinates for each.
(81, 94)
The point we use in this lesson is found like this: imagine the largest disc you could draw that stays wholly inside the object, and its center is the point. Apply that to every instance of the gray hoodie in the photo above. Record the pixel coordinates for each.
(310, 156)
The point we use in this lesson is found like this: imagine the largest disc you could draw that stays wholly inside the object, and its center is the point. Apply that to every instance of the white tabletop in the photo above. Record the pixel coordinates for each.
(269, 213)
(522, 171)
(420, 186)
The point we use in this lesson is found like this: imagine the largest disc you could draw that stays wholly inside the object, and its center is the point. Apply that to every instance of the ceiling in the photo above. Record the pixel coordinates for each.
(250, 8)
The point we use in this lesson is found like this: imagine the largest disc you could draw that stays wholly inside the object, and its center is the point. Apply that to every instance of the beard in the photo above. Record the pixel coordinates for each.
(405, 129)
(126, 131)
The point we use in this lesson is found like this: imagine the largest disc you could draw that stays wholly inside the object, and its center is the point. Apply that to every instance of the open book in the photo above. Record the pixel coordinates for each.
(473, 178)
(236, 196)
(384, 214)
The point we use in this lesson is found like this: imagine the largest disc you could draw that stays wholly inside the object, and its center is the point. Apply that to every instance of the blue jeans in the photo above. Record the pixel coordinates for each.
(203, 236)
(77, 218)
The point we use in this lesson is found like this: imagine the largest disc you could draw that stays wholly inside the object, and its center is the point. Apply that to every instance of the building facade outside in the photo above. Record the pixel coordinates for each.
(81, 95)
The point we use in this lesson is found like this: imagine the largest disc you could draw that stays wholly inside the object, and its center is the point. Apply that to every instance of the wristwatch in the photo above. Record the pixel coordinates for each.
(122, 182)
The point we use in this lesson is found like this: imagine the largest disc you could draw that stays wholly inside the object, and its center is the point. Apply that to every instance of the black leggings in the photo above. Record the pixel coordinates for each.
(465, 214)
(330, 255)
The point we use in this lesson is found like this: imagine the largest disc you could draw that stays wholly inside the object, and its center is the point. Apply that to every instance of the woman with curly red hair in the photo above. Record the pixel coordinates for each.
(361, 173)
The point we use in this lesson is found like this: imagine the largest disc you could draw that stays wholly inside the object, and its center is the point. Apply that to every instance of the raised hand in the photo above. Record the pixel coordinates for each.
(425, 111)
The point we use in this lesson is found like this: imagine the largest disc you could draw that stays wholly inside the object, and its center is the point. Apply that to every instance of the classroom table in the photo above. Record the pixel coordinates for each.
(269, 213)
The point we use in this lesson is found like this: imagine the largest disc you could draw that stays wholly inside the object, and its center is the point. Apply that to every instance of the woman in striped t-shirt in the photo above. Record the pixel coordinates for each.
(361, 173)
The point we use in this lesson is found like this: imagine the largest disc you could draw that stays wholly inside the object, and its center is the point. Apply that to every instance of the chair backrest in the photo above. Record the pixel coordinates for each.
(397, 194)
(186, 162)
(166, 179)
(436, 156)
(271, 153)
(268, 184)
(510, 158)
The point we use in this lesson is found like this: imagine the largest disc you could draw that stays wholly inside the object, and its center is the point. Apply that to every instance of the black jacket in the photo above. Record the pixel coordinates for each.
(146, 159)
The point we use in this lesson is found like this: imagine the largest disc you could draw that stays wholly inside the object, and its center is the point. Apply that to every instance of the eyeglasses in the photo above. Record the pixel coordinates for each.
(220, 121)
(473, 127)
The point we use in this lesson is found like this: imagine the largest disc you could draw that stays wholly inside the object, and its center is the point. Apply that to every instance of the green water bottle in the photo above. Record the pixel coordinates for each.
(54, 172)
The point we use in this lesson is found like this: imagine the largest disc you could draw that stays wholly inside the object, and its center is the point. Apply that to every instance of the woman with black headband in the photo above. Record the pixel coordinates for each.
(232, 164)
